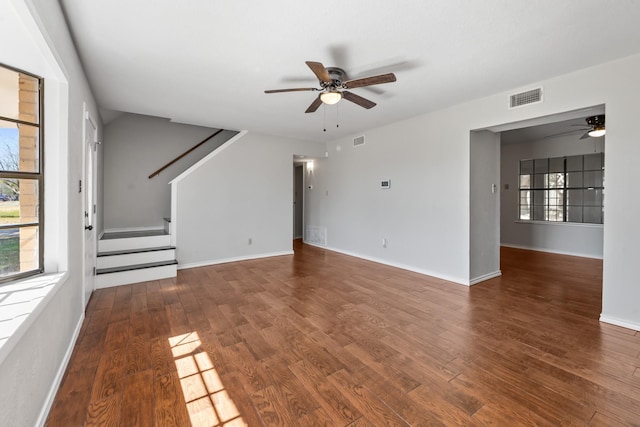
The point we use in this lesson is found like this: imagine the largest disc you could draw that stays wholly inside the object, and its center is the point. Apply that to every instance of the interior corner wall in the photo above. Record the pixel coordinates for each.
(238, 203)
(41, 44)
(484, 231)
(134, 147)
(564, 238)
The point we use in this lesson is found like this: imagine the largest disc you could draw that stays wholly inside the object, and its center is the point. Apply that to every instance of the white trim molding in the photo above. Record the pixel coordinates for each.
(551, 251)
(132, 229)
(234, 259)
(619, 322)
(485, 277)
(455, 280)
(206, 158)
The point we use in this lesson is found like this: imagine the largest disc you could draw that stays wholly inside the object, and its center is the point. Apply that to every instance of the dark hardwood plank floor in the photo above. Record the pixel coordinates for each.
(320, 338)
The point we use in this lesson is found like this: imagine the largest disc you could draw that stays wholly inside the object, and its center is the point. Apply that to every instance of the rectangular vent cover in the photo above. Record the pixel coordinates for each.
(525, 98)
(358, 141)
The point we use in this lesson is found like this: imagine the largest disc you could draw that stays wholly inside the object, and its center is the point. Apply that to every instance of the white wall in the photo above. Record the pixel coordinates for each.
(244, 191)
(425, 215)
(135, 146)
(40, 43)
(564, 238)
(484, 255)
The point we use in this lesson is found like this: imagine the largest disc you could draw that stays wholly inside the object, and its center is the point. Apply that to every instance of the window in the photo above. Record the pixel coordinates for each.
(562, 189)
(21, 174)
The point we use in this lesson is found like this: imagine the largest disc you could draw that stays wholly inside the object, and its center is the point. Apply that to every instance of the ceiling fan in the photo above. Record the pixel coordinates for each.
(333, 86)
(595, 127)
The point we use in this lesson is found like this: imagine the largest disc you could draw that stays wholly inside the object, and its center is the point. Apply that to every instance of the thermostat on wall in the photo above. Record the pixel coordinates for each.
(385, 183)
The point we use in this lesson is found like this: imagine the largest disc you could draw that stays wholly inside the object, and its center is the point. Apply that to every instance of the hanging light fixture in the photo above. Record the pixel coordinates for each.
(597, 126)
(597, 131)
(330, 98)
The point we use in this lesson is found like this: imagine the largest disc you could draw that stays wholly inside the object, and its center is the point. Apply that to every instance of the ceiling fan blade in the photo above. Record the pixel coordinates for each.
(314, 105)
(564, 133)
(585, 136)
(369, 81)
(319, 70)
(299, 89)
(357, 99)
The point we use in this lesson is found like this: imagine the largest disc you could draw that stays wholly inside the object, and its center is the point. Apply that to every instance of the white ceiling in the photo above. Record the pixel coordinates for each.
(208, 62)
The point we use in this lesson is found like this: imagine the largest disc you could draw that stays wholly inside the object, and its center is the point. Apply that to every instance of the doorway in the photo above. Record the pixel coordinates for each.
(497, 216)
(298, 201)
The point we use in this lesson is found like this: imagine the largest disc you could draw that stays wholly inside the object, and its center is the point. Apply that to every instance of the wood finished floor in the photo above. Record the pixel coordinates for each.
(321, 338)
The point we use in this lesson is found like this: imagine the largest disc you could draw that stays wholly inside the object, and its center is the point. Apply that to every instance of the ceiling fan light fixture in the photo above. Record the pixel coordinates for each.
(597, 131)
(331, 98)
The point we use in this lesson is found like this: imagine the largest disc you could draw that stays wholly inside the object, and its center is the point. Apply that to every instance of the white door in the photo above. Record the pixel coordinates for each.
(88, 187)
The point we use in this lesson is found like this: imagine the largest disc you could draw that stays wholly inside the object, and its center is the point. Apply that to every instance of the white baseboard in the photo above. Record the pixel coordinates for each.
(551, 251)
(456, 280)
(53, 390)
(485, 277)
(620, 322)
(234, 259)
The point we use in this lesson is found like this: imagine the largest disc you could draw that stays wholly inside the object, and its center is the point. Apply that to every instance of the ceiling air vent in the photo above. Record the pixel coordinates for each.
(525, 98)
(358, 141)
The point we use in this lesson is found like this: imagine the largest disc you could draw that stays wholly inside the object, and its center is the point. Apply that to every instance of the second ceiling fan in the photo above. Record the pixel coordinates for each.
(333, 86)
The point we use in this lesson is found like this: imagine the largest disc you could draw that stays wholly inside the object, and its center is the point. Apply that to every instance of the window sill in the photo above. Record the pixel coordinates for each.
(20, 304)
(557, 223)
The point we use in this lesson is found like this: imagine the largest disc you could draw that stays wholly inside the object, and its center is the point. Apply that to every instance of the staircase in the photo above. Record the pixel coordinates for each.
(134, 256)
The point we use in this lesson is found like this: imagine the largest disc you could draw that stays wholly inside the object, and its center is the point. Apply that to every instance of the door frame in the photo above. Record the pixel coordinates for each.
(88, 188)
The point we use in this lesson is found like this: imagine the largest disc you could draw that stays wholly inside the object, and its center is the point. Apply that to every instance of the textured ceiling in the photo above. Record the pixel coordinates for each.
(208, 62)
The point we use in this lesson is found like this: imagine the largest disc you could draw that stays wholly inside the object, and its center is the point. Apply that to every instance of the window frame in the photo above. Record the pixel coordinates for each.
(38, 176)
(529, 192)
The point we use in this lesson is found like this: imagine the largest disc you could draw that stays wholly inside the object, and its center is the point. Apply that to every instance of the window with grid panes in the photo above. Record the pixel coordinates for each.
(562, 189)
(21, 174)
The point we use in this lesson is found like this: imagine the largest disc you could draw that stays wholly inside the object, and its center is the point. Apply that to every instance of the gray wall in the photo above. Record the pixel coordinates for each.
(242, 192)
(484, 254)
(40, 43)
(134, 147)
(570, 239)
(424, 215)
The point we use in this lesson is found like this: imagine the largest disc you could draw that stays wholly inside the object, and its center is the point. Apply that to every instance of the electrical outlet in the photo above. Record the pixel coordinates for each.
(384, 242)
(250, 241)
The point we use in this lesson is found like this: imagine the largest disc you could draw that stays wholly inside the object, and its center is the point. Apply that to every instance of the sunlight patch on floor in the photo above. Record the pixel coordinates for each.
(208, 402)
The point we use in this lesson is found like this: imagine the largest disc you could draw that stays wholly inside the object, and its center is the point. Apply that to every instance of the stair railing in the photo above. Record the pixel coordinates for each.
(184, 154)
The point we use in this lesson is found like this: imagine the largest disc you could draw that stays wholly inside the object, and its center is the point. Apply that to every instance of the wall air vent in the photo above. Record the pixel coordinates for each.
(358, 141)
(532, 96)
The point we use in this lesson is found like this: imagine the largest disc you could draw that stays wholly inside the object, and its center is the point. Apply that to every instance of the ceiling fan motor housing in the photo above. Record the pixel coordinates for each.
(596, 121)
(338, 75)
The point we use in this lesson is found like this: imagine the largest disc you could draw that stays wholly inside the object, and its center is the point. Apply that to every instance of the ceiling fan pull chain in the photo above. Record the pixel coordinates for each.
(338, 115)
